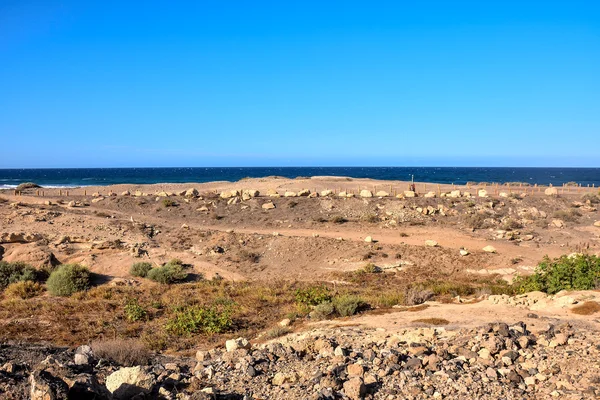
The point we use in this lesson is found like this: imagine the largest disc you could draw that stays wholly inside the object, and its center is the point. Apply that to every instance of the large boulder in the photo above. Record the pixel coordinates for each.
(304, 193)
(382, 193)
(409, 193)
(551, 191)
(127, 382)
(326, 193)
(366, 193)
(235, 344)
(45, 386)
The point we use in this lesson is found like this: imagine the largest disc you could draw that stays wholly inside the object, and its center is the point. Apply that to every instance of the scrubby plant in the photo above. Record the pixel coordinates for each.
(371, 268)
(371, 218)
(570, 215)
(134, 311)
(277, 332)
(197, 319)
(140, 269)
(169, 203)
(574, 272)
(68, 279)
(323, 310)
(23, 290)
(171, 272)
(591, 197)
(313, 295)
(338, 219)
(11, 272)
(127, 352)
(347, 305)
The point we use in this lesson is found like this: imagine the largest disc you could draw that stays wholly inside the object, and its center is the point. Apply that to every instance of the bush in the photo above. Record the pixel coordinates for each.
(277, 332)
(417, 295)
(196, 319)
(371, 218)
(68, 279)
(593, 198)
(123, 352)
(574, 272)
(140, 269)
(135, 312)
(169, 273)
(570, 215)
(23, 290)
(15, 272)
(347, 305)
(169, 203)
(323, 311)
(312, 296)
(338, 219)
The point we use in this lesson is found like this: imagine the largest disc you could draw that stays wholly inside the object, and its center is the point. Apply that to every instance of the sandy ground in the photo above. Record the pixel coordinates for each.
(297, 239)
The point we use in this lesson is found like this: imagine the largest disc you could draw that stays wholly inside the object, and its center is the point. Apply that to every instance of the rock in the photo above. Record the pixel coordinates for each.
(86, 386)
(560, 339)
(285, 322)
(558, 223)
(272, 193)
(202, 209)
(482, 193)
(268, 206)
(454, 194)
(191, 192)
(429, 195)
(280, 378)
(489, 249)
(355, 388)
(325, 193)
(45, 386)
(369, 239)
(290, 194)
(551, 191)
(366, 193)
(355, 370)
(431, 243)
(597, 224)
(83, 355)
(304, 193)
(20, 237)
(126, 193)
(235, 344)
(127, 382)
(464, 252)
(409, 193)
(97, 199)
(382, 193)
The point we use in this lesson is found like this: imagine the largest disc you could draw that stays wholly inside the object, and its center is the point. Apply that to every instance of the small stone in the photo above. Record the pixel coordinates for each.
(369, 239)
(431, 243)
(489, 249)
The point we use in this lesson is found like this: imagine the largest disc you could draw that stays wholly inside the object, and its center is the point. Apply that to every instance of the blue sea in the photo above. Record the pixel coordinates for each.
(74, 177)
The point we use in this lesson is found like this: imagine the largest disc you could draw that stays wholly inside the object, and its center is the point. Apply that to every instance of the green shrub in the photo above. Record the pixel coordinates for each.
(323, 310)
(140, 269)
(135, 312)
(347, 305)
(570, 215)
(371, 268)
(312, 296)
(196, 319)
(575, 272)
(15, 272)
(168, 273)
(68, 279)
(23, 290)
(27, 185)
(169, 203)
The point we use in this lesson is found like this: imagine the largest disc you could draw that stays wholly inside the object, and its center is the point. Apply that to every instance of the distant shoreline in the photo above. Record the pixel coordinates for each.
(91, 177)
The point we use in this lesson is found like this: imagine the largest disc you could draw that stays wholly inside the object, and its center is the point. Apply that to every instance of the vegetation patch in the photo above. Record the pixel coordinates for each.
(140, 269)
(125, 352)
(573, 272)
(171, 272)
(432, 321)
(12, 272)
(68, 279)
(23, 290)
(197, 319)
(587, 308)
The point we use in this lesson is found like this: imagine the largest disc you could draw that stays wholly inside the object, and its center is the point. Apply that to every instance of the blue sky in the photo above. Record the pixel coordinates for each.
(228, 83)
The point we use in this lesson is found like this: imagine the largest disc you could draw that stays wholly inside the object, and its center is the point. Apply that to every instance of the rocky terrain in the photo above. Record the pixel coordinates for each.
(319, 288)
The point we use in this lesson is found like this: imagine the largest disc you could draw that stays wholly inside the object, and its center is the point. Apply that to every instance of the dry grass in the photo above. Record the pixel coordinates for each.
(587, 308)
(123, 352)
(432, 321)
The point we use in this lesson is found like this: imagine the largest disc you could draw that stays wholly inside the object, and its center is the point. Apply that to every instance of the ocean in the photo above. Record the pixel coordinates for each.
(75, 177)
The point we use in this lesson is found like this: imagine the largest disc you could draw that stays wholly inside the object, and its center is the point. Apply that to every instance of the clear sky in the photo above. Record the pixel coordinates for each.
(257, 83)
